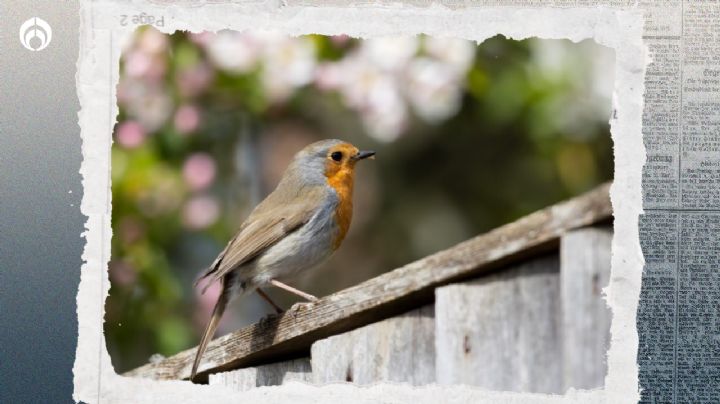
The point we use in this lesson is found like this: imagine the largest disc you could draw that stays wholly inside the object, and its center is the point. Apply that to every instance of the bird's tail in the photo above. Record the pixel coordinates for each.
(211, 326)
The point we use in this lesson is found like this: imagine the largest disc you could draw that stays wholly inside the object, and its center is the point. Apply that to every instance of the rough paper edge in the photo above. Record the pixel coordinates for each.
(94, 377)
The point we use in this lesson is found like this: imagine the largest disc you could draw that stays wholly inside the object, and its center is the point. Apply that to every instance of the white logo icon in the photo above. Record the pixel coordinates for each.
(35, 34)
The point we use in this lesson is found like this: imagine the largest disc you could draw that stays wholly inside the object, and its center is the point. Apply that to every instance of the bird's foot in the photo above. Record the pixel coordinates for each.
(300, 307)
(268, 318)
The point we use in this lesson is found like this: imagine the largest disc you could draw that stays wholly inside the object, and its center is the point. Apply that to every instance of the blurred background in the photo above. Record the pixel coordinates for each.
(468, 138)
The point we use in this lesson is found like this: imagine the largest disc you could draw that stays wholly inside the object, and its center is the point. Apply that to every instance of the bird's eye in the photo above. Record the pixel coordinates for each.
(337, 156)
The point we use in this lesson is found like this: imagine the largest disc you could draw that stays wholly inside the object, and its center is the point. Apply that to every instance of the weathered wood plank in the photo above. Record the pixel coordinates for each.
(392, 293)
(502, 332)
(584, 272)
(273, 374)
(399, 349)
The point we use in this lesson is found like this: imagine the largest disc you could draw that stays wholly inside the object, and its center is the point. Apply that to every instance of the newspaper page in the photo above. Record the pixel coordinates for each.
(679, 349)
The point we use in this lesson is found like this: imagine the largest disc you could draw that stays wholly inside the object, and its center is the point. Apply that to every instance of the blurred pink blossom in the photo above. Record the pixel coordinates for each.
(206, 301)
(137, 63)
(130, 134)
(153, 41)
(144, 65)
(124, 91)
(386, 116)
(199, 171)
(433, 89)
(151, 108)
(385, 126)
(288, 63)
(340, 40)
(200, 212)
(372, 92)
(122, 273)
(194, 80)
(233, 51)
(187, 119)
(457, 53)
(130, 230)
(329, 76)
(130, 89)
(390, 53)
(360, 80)
(201, 38)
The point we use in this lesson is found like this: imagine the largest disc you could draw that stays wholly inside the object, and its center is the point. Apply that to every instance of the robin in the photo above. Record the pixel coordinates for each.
(297, 227)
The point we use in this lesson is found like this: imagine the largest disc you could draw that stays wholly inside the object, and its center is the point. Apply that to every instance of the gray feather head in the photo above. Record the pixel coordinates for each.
(308, 165)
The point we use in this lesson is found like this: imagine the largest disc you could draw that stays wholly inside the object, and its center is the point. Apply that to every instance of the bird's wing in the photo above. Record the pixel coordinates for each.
(265, 227)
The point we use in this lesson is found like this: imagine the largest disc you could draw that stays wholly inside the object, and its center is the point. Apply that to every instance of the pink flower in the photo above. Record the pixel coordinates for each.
(340, 40)
(200, 212)
(434, 89)
(151, 108)
(122, 273)
(153, 41)
(206, 301)
(199, 171)
(193, 81)
(200, 38)
(144, 65)
(187, 119)
(130, 134)
(209, 298)
(130, 230)
(458, 54)
(329, 76)
(390, 53)
(233, 51)
(137, 63)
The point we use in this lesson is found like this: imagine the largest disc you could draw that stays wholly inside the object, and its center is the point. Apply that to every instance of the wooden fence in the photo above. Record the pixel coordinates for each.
(519, 308)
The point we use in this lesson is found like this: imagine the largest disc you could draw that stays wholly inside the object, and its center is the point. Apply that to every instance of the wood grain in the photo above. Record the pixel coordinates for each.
(584, 272)
(392, 293)
(273, 374)
(502, 332)
(400, 349)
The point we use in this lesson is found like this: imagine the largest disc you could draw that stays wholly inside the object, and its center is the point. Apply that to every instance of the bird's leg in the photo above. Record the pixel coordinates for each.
(267, 299)
(291, 289)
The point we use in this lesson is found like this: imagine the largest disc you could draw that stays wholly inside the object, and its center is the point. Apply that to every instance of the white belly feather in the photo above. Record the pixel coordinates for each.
(306, 247)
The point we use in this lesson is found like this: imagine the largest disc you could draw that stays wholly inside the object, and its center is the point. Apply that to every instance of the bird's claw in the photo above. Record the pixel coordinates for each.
(298, 307)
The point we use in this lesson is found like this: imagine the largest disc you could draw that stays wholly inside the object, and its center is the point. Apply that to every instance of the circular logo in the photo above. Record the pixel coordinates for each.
(35, 34)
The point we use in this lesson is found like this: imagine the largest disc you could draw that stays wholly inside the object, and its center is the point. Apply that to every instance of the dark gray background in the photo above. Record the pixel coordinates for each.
(40, 219)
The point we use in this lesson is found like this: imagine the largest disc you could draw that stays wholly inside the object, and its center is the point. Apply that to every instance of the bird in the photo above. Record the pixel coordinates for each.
(294, 229)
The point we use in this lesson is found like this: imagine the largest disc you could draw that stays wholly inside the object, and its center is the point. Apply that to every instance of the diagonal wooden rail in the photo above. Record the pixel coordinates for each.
(389, 294)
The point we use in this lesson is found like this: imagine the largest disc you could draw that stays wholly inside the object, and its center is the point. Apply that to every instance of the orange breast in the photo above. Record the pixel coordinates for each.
(342, 182)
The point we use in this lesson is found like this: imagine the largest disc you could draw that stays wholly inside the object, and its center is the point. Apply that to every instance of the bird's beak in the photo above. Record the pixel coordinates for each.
(365, 154)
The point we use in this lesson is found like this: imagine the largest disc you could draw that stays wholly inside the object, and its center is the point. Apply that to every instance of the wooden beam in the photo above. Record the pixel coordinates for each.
(395, 292)
(502, 332)
(274, 374)
(584, 272)
(400, 349)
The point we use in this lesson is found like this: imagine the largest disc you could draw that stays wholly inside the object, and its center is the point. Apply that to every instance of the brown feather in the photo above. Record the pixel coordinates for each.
(269, 223)
(211, 326)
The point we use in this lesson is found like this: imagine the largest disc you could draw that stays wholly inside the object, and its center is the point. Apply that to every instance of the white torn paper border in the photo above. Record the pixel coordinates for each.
(102, 35)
